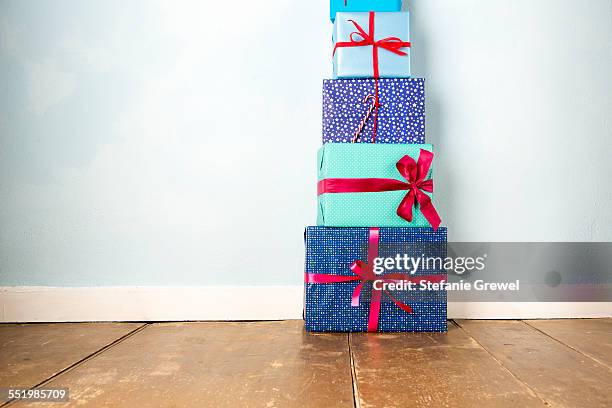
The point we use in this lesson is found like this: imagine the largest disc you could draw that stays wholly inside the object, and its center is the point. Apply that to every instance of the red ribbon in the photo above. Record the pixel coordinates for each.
(413, 172)
(365, 273)
(392, 44)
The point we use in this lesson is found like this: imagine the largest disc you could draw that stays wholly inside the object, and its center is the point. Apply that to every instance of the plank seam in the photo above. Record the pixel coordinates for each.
(356, 401)
(503, 366)
(568, 346)
(82, 361)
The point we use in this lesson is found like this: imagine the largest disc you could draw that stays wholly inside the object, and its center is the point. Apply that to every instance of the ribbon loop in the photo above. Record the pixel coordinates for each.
(366, 39)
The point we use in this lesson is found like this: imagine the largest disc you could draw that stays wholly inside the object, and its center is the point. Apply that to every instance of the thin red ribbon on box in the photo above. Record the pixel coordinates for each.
(392, 44)
(413, 172)
(365, 273)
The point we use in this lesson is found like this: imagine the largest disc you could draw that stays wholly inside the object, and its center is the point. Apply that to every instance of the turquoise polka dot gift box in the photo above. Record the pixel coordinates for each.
(382, 185)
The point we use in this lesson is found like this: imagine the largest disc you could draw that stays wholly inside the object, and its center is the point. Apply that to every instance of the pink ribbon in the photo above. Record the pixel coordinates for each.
(364, 273)
(413, 172)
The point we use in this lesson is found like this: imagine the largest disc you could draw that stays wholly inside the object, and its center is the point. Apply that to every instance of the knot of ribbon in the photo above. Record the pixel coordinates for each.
(416, 183)
(364, 273)
(392, 44)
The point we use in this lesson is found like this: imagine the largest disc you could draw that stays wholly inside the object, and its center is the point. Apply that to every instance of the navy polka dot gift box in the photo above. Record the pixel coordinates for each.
(331, 280)
(401, 115)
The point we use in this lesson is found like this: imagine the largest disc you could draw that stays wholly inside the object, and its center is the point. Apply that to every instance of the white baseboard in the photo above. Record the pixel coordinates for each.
(528, 310)
(51, 304)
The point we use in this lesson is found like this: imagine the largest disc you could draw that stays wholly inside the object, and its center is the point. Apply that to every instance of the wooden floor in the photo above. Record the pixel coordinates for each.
(557, 363)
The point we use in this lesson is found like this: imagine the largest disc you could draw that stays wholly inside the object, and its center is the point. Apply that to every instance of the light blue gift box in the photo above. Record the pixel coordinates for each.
(357, 62)
(344, 6)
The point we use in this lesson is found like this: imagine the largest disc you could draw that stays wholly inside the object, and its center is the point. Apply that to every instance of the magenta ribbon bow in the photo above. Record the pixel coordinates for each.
(416, 184)
(364, 274)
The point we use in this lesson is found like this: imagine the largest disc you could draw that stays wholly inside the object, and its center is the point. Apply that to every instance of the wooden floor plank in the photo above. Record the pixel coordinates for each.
(592, 337)
(31, 353)
(432, 370)
(560, 375)
(259, 364)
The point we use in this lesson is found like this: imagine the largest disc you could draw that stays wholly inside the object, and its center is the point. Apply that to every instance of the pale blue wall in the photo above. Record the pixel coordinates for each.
(173, 143)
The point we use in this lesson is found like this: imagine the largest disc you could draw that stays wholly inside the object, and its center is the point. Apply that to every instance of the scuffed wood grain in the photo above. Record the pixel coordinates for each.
(31, 353)
(433, 370)
(592, 337)
(560, 375)
(259, 364)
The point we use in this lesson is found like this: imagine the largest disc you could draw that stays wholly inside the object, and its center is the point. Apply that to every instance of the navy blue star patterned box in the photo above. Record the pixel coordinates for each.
(348, 108)
(375, 279)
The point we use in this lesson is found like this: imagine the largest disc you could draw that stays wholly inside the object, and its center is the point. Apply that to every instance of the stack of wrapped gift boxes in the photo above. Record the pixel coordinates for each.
(375, 185)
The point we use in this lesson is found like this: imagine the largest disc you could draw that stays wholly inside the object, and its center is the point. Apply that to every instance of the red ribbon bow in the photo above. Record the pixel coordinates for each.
(414, 173)
(392, 44)
(365, 273)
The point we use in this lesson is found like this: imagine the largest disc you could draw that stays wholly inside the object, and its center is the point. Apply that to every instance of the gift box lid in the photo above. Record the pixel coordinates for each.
(365, 160)
(394, 96)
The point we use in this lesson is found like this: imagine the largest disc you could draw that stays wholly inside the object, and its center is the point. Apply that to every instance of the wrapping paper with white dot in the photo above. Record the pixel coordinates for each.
(401, 116)
(331, 251)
